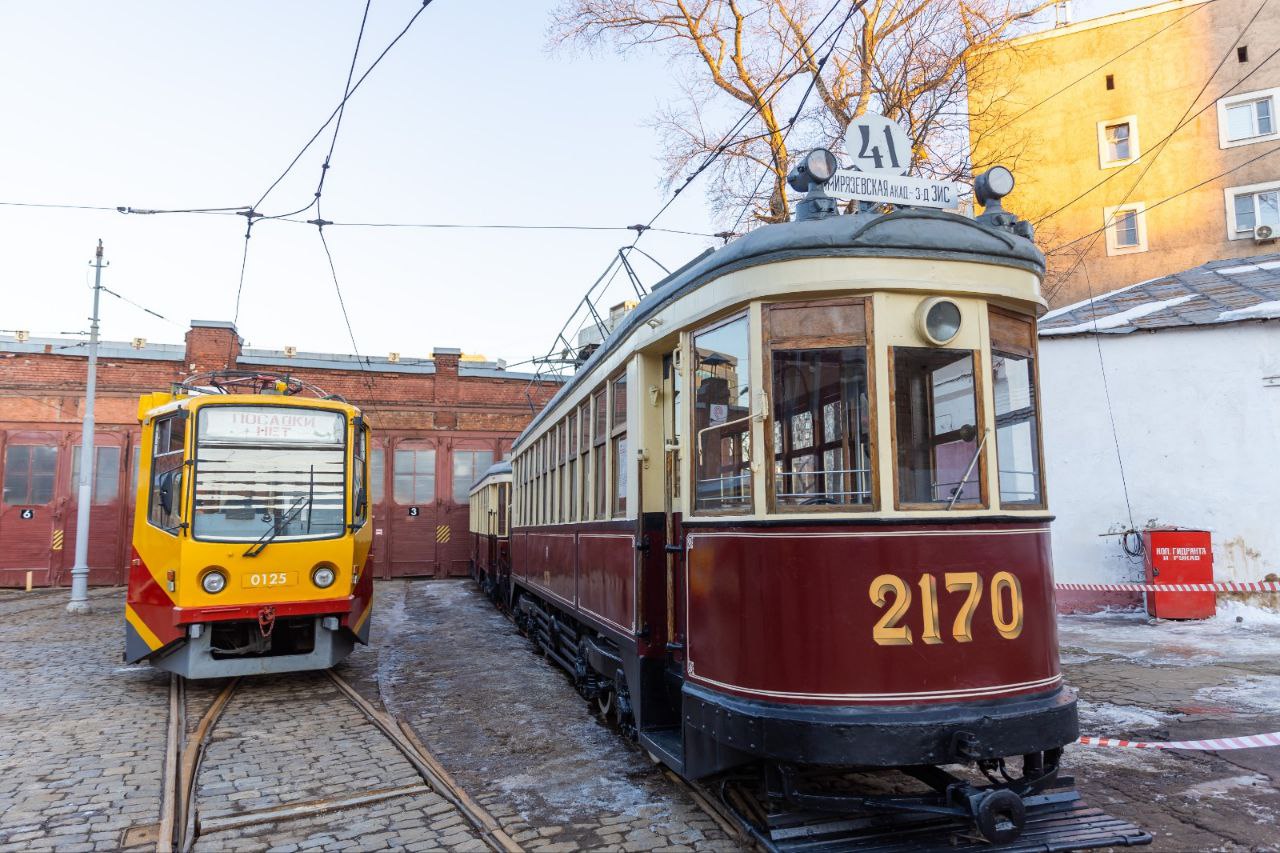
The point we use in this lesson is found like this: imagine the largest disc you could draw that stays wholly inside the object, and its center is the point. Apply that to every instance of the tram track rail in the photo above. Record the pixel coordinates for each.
(180, 824)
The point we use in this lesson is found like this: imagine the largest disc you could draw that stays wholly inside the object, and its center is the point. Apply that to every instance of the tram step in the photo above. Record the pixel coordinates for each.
(667, 744)
(1055, 822)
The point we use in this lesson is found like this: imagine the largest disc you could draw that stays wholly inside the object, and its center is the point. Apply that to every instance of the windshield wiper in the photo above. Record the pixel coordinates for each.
(955, 496)
(303, 502)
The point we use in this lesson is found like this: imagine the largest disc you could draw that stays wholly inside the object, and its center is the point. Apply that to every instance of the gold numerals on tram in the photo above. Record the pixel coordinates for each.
(894, 595)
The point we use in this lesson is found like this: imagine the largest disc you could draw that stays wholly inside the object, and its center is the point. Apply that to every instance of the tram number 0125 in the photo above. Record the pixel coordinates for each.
(894, 593)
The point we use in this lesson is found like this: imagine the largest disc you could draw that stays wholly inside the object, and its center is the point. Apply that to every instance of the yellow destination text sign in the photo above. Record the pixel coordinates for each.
(852, 185)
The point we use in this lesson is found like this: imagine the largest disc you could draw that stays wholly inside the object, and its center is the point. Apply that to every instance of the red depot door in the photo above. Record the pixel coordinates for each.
(412, 510)
(378, 510)
(106, 516)
(467, 465)
(29, 510)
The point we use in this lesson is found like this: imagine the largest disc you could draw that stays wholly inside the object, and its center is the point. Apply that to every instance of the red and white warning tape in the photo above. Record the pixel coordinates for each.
(1257, 586)
(1222, 743)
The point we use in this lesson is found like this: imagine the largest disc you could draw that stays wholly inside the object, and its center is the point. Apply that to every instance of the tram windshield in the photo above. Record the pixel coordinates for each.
(269, 471)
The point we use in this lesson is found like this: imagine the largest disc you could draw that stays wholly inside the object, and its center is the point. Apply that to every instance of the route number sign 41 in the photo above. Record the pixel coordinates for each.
(877, 146)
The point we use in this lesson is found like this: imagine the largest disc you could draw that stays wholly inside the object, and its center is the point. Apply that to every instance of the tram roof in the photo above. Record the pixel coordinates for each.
(495, 470)
(908, 232)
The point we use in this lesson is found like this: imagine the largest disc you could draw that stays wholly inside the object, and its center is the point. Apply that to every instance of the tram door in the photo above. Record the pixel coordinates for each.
(412, 510)
(106, 515)
(672, 426)
(378, 510)
(29, 510)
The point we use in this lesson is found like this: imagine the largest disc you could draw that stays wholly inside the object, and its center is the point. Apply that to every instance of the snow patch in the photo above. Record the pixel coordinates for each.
(1138, 639)
(1122, 318)
(1225, 787)
(1257, 693)
(1261, 311)
(1108, 720)
(1243, 268)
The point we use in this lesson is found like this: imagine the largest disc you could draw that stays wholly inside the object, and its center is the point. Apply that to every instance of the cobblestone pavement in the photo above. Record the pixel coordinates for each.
(75, 771)
(515, 734)
(1179, 681)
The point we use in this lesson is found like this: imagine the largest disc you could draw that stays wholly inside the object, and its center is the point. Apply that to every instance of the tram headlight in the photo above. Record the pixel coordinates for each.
(213, 581)
(817, 167)
(938, 320)
(323, 576)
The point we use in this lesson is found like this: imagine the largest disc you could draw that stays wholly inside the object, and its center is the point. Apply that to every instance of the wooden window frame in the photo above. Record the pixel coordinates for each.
(808, 342)
(617, 431)
(980, 408)
(691, 370)
(1032, 352)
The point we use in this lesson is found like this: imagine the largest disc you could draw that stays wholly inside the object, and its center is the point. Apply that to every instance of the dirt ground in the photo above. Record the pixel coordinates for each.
(1174, 681)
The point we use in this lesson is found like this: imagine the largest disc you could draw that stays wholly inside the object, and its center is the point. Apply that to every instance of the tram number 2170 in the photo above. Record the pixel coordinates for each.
(892, 592)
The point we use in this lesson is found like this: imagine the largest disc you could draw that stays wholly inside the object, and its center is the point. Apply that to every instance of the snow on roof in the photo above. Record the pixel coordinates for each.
(1223, 291)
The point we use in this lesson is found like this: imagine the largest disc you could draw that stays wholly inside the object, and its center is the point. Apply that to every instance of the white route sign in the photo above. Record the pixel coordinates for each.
(852, 185)
(877, 145)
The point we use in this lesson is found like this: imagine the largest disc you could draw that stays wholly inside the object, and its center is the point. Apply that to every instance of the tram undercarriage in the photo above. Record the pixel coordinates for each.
(786, 806)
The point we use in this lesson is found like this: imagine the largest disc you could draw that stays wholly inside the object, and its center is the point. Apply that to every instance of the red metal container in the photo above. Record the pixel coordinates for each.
(1179, 557)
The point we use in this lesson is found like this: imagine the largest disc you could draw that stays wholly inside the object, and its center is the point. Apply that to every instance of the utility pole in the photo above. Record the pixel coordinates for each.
(79, 603)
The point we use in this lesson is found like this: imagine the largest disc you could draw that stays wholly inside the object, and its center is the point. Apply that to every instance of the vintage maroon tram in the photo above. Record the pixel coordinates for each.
(489, 519)
(791, 514)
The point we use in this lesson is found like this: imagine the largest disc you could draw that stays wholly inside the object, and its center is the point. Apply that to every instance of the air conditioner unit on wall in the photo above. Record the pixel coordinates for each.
(1264, 234)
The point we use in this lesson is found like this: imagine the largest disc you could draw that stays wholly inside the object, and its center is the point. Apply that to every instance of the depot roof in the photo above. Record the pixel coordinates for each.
(1223, 291)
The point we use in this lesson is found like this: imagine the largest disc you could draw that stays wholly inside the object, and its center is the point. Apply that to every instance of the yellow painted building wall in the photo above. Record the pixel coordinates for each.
(1036, 104)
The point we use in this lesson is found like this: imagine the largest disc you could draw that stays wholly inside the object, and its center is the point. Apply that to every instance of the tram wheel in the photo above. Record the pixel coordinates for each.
(1001, 816)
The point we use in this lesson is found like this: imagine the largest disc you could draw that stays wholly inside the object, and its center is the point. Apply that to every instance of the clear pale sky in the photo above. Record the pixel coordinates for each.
(470, 119)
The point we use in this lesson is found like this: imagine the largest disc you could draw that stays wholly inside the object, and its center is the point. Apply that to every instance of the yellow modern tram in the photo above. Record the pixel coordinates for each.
(251, 539)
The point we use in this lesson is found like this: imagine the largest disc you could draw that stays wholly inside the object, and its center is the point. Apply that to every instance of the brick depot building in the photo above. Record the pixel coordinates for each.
(437, 424)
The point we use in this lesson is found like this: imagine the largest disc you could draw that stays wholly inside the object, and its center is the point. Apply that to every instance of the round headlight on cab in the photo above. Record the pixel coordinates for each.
(938, 320)
(213, 581)
(323, 576)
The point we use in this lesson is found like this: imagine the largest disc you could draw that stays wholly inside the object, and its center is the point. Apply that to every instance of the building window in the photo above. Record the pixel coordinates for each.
(1126, 229)
(1118, 142)
(1111, 82)
(1248, 118)
(29, 471)
(1252, 206)
(468, 466)
(722, 417)
(415, 476)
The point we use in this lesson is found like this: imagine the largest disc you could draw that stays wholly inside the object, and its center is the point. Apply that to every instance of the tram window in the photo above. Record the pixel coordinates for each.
(169, 435)
(619, 441)
(598, 437)
(414, 479)
(504, 501)
(377, 476)
(106, 473)
(290, 483)
(29, 471)
(468, 466)
(722, 417)
(821, 427)
(938, 442)
(359, 480)
(1013, 387)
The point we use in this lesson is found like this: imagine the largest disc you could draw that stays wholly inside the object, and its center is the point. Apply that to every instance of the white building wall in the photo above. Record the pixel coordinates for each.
(1199, 434)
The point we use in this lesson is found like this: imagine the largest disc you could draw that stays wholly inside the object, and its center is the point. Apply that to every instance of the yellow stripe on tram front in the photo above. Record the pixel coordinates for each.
(148, 637)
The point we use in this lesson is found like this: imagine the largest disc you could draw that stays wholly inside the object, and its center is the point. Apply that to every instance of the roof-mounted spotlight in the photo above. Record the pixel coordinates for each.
(993, 185)
(817, 167)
